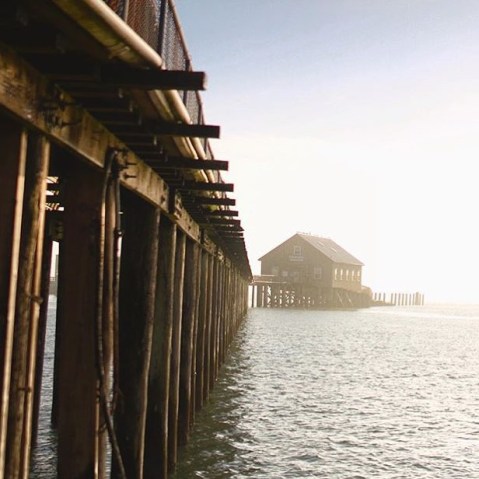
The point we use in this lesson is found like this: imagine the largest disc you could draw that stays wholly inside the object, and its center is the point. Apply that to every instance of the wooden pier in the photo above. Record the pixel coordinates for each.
(269, 292)
(105, 154)
(398, 299)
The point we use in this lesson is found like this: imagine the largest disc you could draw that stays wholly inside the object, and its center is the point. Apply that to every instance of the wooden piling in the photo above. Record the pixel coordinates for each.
(78, 411)
(156, 452)
(139, 260)
(175, 365)
(27, 310)
(201, 334)
(13, 142)
(189, 319)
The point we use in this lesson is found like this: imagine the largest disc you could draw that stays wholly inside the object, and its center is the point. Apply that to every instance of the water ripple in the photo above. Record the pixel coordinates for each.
(380, 393)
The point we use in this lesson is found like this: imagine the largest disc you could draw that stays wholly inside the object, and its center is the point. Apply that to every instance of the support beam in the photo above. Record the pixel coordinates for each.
(173, 404)
(156, 451)
(27, 310)
(188, 327)
(184, 129)
(198, 186)
(184, 163)
(221, 213)
(78, 411)
(207, 200)
(13, 144)
(139, 259)
(76, 70)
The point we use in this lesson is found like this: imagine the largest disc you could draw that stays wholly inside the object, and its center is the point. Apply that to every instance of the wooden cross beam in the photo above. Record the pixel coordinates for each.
(75, 70)
(178, 162)
(206, 200)
(198, 186)
(221, 213)
(184, 129)
(224, 222)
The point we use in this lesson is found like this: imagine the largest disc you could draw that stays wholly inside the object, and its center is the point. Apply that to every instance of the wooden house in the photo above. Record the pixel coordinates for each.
(316, 271)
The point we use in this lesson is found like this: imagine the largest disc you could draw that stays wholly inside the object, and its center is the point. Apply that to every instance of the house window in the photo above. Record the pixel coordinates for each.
(296, 250)
(336, 276)
(341, 274)
(318, 272)
(353, 275)
(359, 275)
(275, 271)
(347, 275)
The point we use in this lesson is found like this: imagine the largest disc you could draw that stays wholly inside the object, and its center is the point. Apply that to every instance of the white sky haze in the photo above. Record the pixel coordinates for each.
(352, 119)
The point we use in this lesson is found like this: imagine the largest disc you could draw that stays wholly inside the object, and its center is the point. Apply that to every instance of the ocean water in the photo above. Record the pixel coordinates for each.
(389, 392)
(376, 393)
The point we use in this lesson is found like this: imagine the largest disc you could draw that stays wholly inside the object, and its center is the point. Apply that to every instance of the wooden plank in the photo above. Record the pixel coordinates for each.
(208, 327)
(184, 129)
(150, 79)
(156, 447)
(189, 320)
(221, 213)
(75, 70)
(139, 262)
(201, 330)
(27, 310)
(199, 186)
(13, 143)
(224, 221)
(206, 200)
(184, 163)
(78, 410)
(173, 405)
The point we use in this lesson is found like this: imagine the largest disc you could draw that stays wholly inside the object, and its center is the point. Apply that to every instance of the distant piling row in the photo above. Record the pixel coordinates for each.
(399, 299)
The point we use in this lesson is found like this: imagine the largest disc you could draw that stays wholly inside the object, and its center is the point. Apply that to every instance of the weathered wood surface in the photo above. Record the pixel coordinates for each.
(78, 411)
(27, 310)
(173, 401)
(156, 452)
(137, 313)
(30, 96)
(188, 331)
(13, 142)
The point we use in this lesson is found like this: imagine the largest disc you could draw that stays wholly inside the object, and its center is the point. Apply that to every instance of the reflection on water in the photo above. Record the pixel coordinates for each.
(386, 392)
(383, 392)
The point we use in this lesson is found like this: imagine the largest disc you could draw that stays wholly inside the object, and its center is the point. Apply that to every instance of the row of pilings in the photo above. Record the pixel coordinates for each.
(301, 296)
(399, 299)
(145, 312)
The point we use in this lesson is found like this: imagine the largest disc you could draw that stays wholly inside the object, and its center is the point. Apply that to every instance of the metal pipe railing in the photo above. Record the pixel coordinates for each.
(157, 22)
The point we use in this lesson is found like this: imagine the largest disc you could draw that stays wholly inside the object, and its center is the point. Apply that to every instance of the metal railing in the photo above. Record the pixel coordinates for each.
(156, 21)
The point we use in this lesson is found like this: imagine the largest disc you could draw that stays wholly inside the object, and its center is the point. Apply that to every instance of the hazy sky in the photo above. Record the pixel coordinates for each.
(352, 119)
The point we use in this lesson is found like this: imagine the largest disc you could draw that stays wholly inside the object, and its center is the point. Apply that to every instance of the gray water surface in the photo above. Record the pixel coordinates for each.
(376, 393)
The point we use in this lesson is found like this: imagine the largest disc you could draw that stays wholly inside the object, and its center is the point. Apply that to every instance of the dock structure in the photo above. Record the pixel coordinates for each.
(105, 153)
(398, 299)
(308, 271)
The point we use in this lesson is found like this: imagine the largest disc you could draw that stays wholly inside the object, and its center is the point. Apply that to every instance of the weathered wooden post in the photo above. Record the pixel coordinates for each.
(189, 320)
(27, 309)
(208, 326)
(13, 143)
(173, 403)
(139, 260)
(78, 412)
(201, 335)
(156, 449)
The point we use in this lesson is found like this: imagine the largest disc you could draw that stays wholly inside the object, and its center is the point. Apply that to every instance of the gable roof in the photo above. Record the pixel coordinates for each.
(326, 246)
(330, 249)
